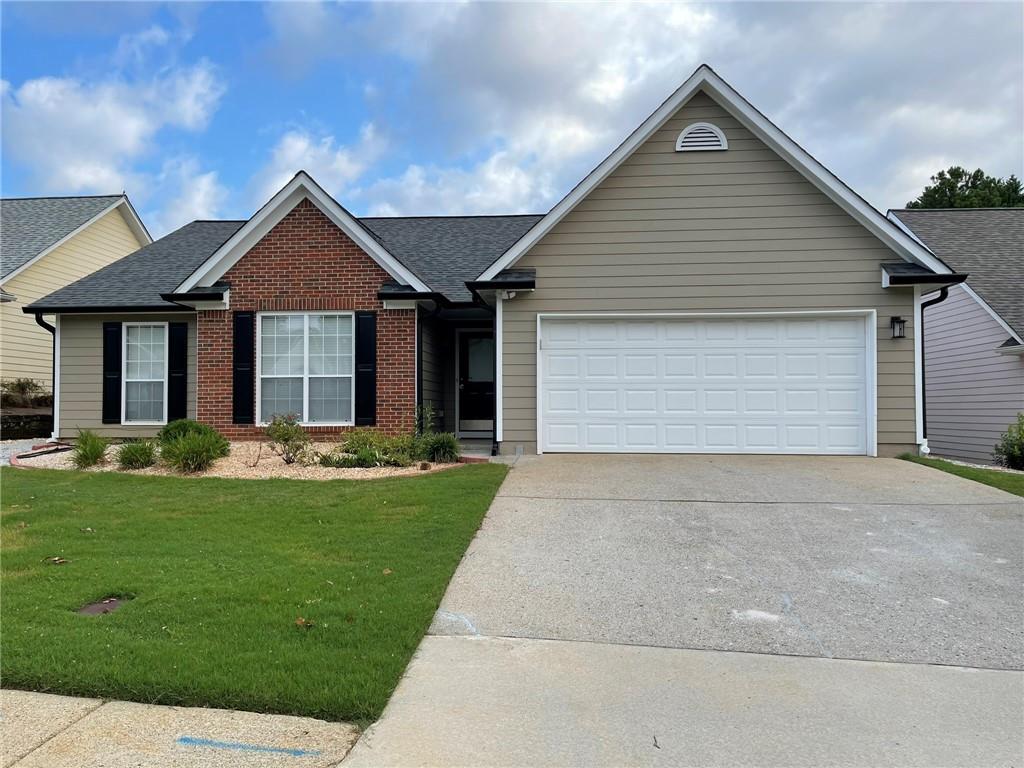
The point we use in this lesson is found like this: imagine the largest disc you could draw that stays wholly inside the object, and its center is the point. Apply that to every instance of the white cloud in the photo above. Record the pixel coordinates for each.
(335, 166)
(496, 185)
(544, 91)
(187, 194)
(77, 136)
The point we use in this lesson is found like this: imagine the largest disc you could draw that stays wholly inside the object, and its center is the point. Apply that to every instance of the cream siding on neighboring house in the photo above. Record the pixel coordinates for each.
(81, 373)
(735, 230)
(25, 348)
(973, 392)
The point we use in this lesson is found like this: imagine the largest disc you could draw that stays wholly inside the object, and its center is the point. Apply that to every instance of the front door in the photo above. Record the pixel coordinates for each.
(475, 409)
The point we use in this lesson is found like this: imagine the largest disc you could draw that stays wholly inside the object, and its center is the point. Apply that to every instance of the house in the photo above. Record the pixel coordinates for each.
(974, 333)
(709, 287)
(45, 244)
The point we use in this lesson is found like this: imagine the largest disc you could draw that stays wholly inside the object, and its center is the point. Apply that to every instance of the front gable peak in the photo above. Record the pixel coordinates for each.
(301, 187)
(710, 137)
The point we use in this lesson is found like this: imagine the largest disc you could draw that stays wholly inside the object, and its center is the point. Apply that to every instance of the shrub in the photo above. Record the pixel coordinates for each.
(397, 451)
(181, 427)
(137, 454)
(1009, 451)
(90, 449)
(366, 457)
(287, 438)
(440, 447)
(426, 419)
(20, 393)
(193, 451)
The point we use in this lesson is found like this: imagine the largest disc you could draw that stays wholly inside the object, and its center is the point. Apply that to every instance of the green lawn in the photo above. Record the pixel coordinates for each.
(220, 570)
(1010, 482)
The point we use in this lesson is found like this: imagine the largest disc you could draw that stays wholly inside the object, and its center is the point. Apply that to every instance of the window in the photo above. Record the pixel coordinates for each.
(305, 364)
(144, 374)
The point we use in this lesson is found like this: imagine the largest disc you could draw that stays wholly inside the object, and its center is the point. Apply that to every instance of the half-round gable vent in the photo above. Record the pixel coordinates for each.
(701, 137)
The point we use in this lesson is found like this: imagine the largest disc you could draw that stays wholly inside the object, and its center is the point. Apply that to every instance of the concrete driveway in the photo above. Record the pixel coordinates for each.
(598, 615)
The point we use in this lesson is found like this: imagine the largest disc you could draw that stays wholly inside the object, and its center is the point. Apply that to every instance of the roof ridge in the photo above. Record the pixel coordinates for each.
(981, 208)
(456, 216)
(63, 197)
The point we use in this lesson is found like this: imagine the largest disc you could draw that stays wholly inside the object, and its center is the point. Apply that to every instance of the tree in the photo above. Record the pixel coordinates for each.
(959, 188)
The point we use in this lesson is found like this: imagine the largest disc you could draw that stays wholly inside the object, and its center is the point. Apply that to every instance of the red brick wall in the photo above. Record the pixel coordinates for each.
(307, 263)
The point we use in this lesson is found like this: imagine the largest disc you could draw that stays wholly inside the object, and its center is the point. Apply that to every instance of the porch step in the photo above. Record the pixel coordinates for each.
(474, 451)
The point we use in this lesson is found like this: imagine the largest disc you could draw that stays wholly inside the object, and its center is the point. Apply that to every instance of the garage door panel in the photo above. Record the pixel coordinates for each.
(780, 385)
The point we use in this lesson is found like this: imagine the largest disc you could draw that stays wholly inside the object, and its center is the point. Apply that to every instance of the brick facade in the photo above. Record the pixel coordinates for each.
(306, 263)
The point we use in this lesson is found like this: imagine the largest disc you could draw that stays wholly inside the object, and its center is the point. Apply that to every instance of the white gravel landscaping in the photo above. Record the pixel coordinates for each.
(247, 460)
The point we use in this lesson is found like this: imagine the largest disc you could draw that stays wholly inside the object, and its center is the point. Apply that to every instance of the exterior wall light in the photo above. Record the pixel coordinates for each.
(899, 327)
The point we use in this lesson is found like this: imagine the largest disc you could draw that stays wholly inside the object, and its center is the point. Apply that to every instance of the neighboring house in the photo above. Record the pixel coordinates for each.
(974, 339)
(709, 287)
(47, 243)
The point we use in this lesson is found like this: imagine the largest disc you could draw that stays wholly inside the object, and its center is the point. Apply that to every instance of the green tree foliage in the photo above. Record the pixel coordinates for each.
(960, 188)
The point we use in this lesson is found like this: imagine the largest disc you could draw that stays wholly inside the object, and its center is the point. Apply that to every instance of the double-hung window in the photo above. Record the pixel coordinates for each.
(305, 367)
(144, 373)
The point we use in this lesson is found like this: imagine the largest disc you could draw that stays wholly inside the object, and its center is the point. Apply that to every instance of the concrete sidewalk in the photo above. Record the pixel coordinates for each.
(38, 729)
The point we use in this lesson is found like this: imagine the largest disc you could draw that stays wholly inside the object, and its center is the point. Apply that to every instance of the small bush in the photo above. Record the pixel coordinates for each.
(192, 452)
(181, 427)
(440, 447)
(20, 393)
(138, 454)
(1009, 451)
(426, 419)
(90, 449)
(287, 438)
(366, 457)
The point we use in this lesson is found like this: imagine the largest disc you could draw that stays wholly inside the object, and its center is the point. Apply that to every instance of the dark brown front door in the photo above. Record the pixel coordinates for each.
(476, 383)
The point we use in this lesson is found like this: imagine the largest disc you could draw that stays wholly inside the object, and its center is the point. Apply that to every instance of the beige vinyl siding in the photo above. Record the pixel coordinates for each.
(974, 392)
(25, 348)
(432, 361)
(81, 373)
(739, 230)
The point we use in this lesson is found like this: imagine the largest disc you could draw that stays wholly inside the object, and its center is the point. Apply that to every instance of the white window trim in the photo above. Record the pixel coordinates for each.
(124, 371)
(306, 376)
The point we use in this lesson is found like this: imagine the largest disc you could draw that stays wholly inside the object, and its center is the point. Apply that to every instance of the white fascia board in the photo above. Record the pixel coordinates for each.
(131, 219)
(302, 186)
(705, 78)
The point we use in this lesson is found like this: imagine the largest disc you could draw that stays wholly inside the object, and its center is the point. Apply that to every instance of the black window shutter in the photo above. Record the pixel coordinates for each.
(177, 371)
(366, 369)
(243, 382)
(111, 373)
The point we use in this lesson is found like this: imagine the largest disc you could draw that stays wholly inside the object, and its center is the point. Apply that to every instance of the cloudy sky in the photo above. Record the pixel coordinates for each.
(204, 110)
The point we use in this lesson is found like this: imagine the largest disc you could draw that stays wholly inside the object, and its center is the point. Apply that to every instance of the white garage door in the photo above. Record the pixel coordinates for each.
(723, 385)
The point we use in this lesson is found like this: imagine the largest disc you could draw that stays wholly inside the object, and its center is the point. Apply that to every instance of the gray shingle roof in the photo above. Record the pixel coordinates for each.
(139, 278)
(28, 226)
(987, 243)
(445, 251)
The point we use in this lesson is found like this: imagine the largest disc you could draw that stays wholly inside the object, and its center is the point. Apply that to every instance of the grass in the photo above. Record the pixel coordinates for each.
(1010, 482)
(221, 571)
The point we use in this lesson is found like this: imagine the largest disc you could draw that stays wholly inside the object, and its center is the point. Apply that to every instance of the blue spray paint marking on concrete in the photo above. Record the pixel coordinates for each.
(191, 741)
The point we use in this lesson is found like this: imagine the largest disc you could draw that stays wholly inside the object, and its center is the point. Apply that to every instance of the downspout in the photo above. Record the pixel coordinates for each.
(53, 367)
(943, 295)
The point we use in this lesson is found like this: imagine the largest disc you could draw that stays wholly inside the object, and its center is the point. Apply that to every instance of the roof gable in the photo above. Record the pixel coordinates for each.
(32, 227)
(137, 280)
(301, 187)
(986, 243)
(704, 78)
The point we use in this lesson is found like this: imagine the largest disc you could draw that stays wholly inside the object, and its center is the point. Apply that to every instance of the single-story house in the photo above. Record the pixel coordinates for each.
(709, 287)
(47, 243)
(974, 338)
